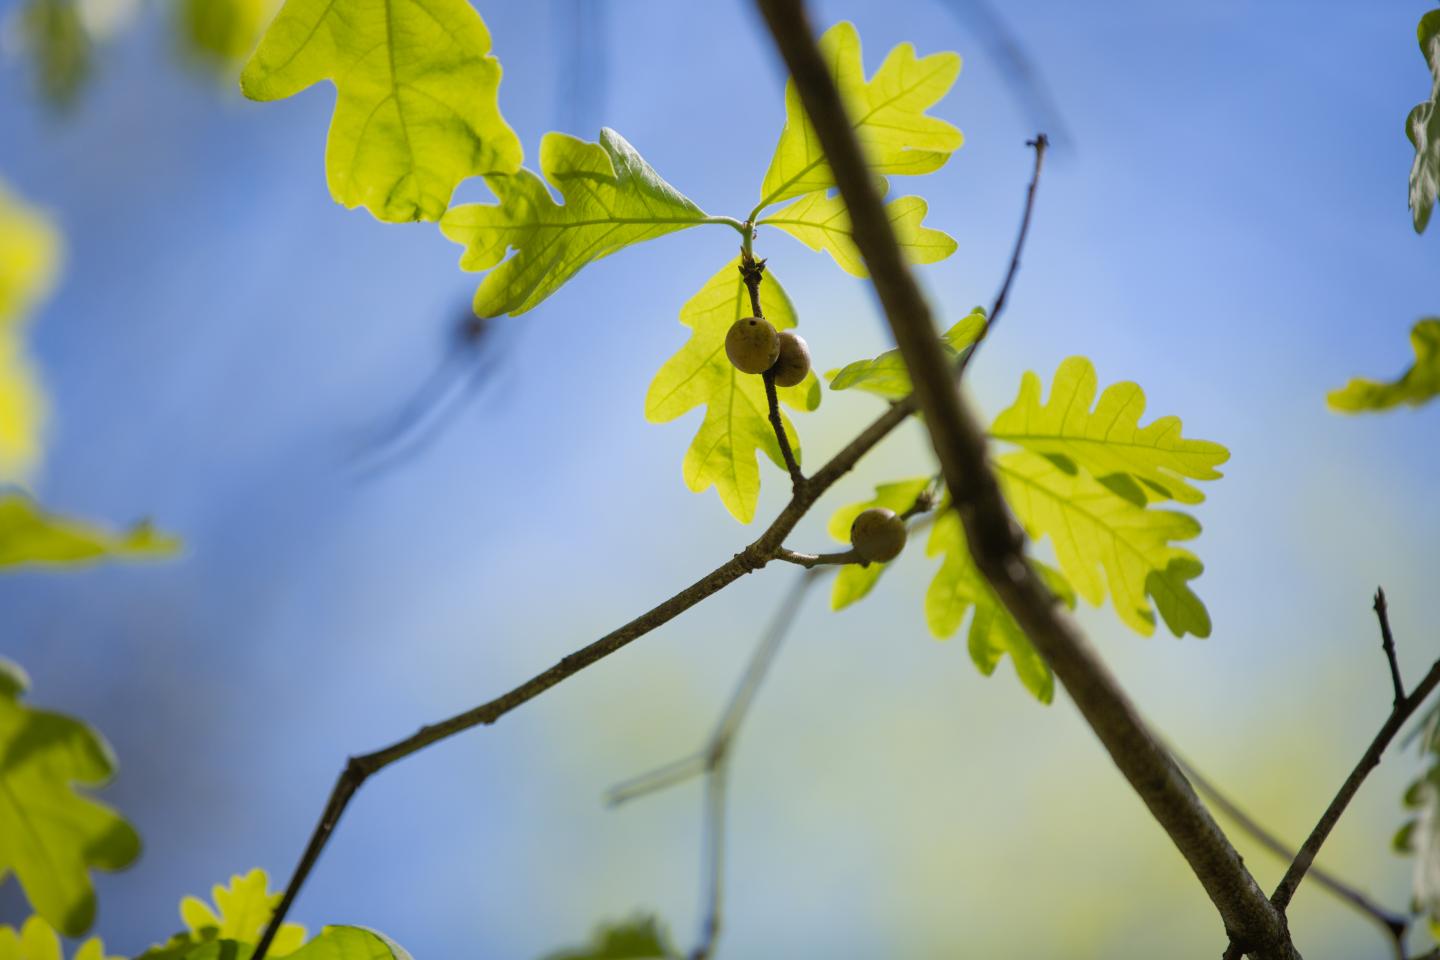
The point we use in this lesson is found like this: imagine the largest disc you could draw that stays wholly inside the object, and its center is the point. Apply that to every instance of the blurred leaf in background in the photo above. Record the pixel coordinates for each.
(30, 252)
(1414, 387)
(37, 940)
(639, 939)
(222, 32)
(1423, 128)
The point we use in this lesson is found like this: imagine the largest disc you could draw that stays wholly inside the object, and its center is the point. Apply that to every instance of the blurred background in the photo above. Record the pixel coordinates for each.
(230, 352)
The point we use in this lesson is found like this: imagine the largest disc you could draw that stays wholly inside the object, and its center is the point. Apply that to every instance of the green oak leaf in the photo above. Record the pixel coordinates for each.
(333, 943)
(37, 940)
(1423, 128)
(959, 587)
(1144, 463)
(887, 376)
(736, 420)
(417, 107)
(241, 912)
(888, 113)
(1416, 386)
(52, 835)
(1103, 538)
(822, 222)
(639, 939)
(854, 581)
(613, 199)
(31, 537)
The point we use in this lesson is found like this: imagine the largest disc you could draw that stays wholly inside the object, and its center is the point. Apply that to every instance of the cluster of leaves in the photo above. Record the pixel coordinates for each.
(1086, 475)
(228, 930)
(640, 938)
(401, 141)
(61, 37)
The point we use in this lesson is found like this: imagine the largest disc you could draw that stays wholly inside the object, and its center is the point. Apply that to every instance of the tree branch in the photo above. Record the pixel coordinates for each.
(752, 271)
(812, 560)
(1369, 760)
(1395, 925)
(995, 541)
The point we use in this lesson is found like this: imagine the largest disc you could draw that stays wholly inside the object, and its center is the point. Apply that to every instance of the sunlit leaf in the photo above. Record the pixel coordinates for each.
(853, 581)
(29, 536)
(1423, 128)
(639, 939)
(888, 113)
(51, 834)
(959, 588)
(241, 912)
(735, 425)
(1415, 386)
(222, 31)
(417, 107)
(886, 375)
(613, 199)
(822, 222)
(1104, 541)
(1144, 463)
(37, 940)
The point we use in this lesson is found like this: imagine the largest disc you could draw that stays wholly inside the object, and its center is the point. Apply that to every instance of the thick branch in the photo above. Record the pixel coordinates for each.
(995, 540)
(1395, 925)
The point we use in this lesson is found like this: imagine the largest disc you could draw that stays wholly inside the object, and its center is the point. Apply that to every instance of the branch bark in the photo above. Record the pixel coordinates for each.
(995, 541)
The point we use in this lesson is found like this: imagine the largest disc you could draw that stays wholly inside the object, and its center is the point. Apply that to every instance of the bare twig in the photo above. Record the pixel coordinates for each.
(1395, 925)
(1387, 643)
(1399, 714)
(995, 540)
(812, 560)
(713, 761)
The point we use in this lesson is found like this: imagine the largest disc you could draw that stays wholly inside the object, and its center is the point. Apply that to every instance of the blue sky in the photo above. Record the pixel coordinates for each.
(1226, 226)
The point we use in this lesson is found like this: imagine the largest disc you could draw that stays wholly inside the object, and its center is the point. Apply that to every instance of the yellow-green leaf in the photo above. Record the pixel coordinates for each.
(333, 943)
(1104, 540)
(54, 34)
(1423, 128)
(29, 536)
(1143, 463)
(888, 113)
(959, 587)
(613, 199)
(51, 834)
(886, 375)
(1415, 386)
(854, 581)
(417, 107)
(241, 912)
(37, 940)
(822, 222)
(735, 425)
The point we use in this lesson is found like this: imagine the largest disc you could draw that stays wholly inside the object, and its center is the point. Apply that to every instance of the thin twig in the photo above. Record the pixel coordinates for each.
(1387, 643)
(996, 541)
(1040, 144)
(752, 271)
(772, 400)
(713, 762)
(811, 560)
(1399, 714)
(753, 557)
(1395, 925)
